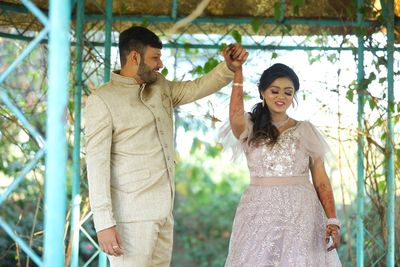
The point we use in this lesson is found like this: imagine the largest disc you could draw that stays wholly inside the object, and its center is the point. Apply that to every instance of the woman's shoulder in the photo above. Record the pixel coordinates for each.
(302, 125)
(311, 140)
(305, 129)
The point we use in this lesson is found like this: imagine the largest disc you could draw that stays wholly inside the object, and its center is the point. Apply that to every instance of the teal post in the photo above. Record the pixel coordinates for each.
(360, 141)
(174, 9)
(390, 260)
(56, 157)
(107, 43)
(76, 159)
(107, 70)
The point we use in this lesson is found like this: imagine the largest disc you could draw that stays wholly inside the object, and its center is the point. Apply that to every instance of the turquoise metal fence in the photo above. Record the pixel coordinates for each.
(57, 26)
(55, 147)
(56, 139)
(76, 176)
(390, 176)
(360, 141)
(31, 129)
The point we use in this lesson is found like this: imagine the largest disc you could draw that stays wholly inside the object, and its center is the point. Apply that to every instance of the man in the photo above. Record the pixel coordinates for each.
(130, 153)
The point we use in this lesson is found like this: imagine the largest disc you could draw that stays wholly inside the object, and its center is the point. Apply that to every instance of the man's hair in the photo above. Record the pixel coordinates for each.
(136, 38)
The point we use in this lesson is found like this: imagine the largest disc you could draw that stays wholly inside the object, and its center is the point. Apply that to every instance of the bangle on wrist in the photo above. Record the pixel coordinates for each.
(333, 221)
(238, 84)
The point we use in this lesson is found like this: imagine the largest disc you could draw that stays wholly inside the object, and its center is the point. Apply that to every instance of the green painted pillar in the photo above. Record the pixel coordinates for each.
(390, 179)
(56, 157)
(107, 72)
(360, 142)
(174, 12)
(76, 159)
(107, 43)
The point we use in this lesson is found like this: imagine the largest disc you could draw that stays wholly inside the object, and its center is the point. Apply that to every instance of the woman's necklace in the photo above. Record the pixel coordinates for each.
(279, 124)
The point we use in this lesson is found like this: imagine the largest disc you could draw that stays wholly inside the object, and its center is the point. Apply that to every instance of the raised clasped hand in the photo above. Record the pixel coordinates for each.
(235, 56)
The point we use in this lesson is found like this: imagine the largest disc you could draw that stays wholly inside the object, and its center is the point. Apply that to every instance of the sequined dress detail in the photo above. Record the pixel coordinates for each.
(281, 224)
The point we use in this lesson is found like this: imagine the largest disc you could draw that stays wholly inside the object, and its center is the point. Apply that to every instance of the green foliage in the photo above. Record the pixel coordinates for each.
(145, 22)
(23, 210)
(19, 213)
(207, 189)
(164, 71)
(372, 103)
(237, 36)
(189, 50)
(350, 95)
(285, 29)
(255, 25)
(222, 46)
(210, 64)
(278, 14)
(313, 59)
(211, 151)
(205, 204)
(198, 70)
(297, 4)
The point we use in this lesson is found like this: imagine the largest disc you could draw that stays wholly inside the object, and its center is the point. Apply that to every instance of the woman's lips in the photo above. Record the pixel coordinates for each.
(279, 103)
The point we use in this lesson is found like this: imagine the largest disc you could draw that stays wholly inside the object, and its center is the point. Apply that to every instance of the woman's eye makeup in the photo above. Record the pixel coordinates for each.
(275, 90)
(289, 93)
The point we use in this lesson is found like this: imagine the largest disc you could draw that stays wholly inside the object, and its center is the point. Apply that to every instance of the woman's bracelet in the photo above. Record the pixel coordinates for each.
(238, 84)
(334, 221)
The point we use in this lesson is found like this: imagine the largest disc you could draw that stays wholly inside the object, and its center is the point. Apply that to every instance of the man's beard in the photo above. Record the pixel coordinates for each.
(146, 74)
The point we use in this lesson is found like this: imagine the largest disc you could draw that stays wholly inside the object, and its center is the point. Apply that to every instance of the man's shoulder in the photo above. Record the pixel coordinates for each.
(103, 89)
(161, 80)
(162, 83)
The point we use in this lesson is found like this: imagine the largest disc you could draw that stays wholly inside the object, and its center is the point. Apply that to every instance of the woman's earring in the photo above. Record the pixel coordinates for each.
(263, 102)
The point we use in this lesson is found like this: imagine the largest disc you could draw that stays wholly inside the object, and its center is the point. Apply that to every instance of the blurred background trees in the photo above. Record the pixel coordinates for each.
(208, 184)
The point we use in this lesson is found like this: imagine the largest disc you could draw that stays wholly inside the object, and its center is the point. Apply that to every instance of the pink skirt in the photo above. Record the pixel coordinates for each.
(280, 222)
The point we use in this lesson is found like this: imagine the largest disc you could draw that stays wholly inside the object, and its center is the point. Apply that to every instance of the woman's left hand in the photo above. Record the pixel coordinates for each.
(334, 232)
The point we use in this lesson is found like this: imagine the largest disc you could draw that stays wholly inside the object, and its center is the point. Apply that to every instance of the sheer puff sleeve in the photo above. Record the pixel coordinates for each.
(312, 141)
(248, 131)
(230, 142)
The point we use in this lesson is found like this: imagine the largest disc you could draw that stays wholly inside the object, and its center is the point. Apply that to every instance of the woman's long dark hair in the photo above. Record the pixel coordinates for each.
(263, 129)
(264, 132)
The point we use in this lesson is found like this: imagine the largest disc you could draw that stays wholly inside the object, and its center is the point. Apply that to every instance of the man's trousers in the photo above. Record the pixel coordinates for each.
(145, 243)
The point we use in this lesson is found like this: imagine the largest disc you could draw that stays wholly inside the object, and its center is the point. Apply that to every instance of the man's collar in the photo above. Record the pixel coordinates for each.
(117, 77)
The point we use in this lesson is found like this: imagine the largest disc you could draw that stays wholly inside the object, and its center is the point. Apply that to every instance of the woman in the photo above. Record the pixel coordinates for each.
(280, 219)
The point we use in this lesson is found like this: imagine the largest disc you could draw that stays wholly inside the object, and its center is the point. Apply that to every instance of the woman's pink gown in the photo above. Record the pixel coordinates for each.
(280, 220)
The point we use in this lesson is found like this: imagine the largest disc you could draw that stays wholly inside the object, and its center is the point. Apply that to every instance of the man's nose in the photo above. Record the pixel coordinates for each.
(160, 64)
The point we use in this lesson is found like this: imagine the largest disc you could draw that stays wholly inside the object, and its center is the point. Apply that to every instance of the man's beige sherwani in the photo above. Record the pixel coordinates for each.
(129, 145)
